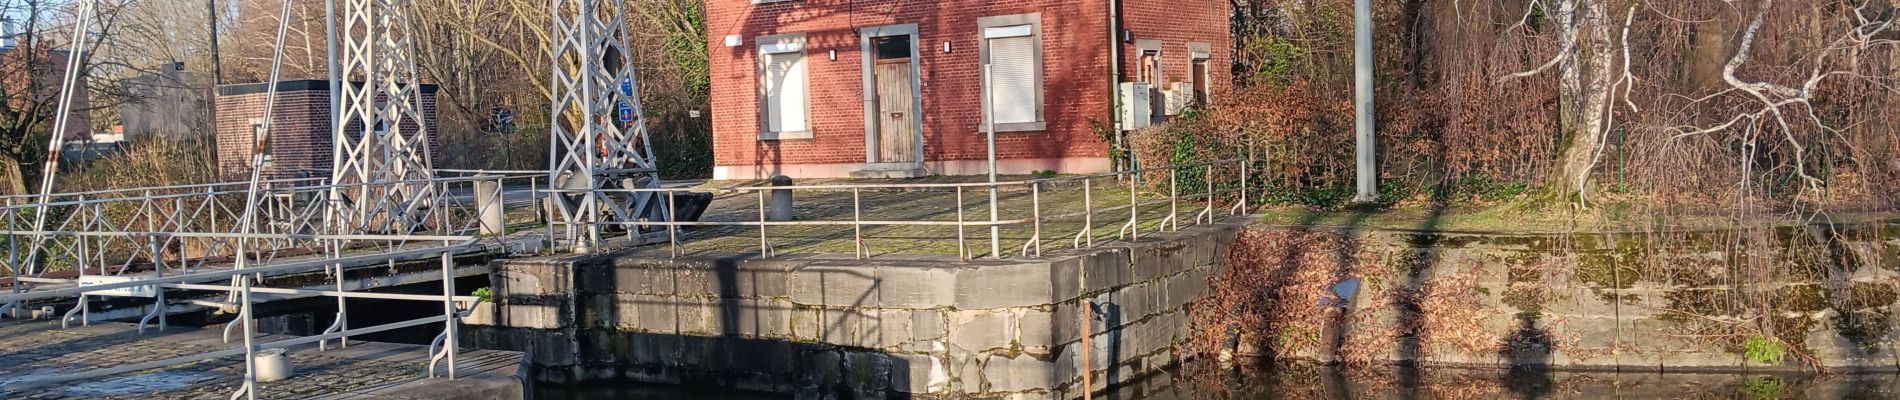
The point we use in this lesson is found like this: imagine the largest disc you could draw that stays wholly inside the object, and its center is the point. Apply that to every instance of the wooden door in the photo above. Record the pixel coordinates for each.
(897, 135)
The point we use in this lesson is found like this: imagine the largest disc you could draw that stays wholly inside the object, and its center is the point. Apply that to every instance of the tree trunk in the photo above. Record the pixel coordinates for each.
(1584, 93)
(16, 181)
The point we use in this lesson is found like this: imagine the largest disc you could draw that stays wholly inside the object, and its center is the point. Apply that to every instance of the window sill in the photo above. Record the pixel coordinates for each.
(784, 135)
(1019, 127)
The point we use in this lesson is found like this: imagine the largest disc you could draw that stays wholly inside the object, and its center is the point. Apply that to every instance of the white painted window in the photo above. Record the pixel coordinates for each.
(1012, 48)
(784, 87)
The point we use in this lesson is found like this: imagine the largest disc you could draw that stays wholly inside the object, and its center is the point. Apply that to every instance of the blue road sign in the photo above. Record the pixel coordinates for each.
(626, 86)
(626, 112)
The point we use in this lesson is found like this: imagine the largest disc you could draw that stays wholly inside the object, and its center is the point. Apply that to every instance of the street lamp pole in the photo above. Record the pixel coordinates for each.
(989, 127)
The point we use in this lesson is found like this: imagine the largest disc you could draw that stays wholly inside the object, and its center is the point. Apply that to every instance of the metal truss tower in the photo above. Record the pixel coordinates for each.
(598, 139)
(381, 161)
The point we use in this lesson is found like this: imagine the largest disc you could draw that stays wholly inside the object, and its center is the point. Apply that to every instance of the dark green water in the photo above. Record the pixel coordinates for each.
(1316, 382)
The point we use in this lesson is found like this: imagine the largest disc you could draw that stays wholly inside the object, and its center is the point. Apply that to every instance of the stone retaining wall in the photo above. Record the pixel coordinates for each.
(928, 325)
(1676, 301)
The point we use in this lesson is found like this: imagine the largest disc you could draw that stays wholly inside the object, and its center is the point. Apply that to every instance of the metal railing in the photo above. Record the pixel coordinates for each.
(180, 238)
(1234, 172)
(243, 281)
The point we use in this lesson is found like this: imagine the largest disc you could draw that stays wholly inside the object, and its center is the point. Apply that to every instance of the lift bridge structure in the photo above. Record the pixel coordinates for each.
(383, 203)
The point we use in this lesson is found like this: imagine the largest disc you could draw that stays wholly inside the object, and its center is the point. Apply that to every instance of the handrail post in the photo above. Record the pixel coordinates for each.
(1243, 180)
(448, 310)
(1207, 175)
(1134, 208)
(1035, 209)
(1174, 198)
(249, 390)
(963, 251)
(857, 222)
(672, 223)
(764, 248)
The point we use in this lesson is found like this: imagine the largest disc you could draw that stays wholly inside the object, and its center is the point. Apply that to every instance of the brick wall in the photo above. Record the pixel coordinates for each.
(1074, 34)
(300, 132)
(1175, 23)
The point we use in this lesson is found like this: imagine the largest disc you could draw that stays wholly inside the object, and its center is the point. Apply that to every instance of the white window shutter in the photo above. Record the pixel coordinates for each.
(1013, 70)
(785, 92)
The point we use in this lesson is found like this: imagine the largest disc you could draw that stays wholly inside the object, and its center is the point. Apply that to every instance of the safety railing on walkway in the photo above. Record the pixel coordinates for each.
(1222, 181)
(244, 283)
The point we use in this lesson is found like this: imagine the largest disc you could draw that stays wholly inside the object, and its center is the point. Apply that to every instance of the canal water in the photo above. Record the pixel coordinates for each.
(1296, 382)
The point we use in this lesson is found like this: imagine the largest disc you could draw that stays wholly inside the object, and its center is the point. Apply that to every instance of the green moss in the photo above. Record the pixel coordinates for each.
(1607, 271)
(1806, 297)
(1793, 330)
(1860, 296)
(1867, 329)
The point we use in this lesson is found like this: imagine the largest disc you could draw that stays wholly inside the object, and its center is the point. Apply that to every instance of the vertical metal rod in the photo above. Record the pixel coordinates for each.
(1207, 175)
(250, 349)
(857, 221)
(672, 226)
(448, 310)
(962, 250)
(1088, 212)
(1035, 201)
(1135, 209)
(1174, 198)
(764, 248)
(1244, 207)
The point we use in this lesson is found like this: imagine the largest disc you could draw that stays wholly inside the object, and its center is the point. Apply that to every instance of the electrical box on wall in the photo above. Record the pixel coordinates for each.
(1135, 107)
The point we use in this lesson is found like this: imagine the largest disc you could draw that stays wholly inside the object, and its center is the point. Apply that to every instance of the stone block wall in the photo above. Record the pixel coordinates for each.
(925, 325)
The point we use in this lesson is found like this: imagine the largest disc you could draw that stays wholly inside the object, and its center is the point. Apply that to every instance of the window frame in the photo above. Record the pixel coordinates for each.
(1034, 20)
(759, 45)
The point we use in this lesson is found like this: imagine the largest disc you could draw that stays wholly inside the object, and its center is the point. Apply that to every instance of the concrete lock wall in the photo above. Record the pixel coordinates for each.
(827, 323)
(1669, 301)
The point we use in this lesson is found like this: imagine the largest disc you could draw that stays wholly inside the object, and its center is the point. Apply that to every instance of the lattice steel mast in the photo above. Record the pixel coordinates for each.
(598, 138)
(382, 161)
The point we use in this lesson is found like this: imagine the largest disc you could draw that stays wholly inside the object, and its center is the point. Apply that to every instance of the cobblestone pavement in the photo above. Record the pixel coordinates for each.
(36, 350)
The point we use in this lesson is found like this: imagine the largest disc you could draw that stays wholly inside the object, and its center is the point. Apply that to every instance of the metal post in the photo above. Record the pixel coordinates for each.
(989, 125)
(1244, 164)
(1174, 198)
(1035, 201)
(1208, 176)
(857, 222)
(249, 391)
(962, 250)
(765, 250)
(1362, 84)
(672, 226)
(1088, 212)
(1134, 209)
(448, 309)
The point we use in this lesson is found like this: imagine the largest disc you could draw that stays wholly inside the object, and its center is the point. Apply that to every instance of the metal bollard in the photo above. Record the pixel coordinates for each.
(488, 203)
(781, 209)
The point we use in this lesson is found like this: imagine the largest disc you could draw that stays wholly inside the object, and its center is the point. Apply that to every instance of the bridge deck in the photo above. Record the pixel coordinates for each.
(36, 350)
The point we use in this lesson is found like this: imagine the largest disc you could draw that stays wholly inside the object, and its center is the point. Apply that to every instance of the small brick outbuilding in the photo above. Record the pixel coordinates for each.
(301, 144)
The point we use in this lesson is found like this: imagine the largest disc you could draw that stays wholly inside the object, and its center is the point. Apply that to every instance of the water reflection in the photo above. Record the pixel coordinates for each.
(1299, 382)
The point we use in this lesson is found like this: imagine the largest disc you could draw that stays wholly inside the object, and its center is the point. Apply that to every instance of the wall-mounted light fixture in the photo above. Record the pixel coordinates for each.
(832, 54)
(946, 47)
(734, 40)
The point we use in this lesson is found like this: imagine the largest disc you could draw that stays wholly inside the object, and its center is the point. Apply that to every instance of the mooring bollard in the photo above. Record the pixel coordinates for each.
(781, 200)
(273, 365)
(488, 203)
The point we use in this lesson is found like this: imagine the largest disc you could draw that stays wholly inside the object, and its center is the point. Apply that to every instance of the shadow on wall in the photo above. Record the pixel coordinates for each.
(648, 333)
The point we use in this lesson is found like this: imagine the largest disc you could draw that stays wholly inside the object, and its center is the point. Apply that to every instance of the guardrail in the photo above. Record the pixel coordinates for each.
(243, 281)
(1233, 170)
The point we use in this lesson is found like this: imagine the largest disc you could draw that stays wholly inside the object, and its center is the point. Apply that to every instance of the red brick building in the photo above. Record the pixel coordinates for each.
(833, 88)
(301, 143)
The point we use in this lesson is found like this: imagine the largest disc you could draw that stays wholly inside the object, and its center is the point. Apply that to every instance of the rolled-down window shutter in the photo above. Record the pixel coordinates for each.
(785, 91)
(1013, 70)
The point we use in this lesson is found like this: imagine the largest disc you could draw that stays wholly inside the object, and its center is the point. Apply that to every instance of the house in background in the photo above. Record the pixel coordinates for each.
(301, 142)
(164, 103)
(839, 88)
